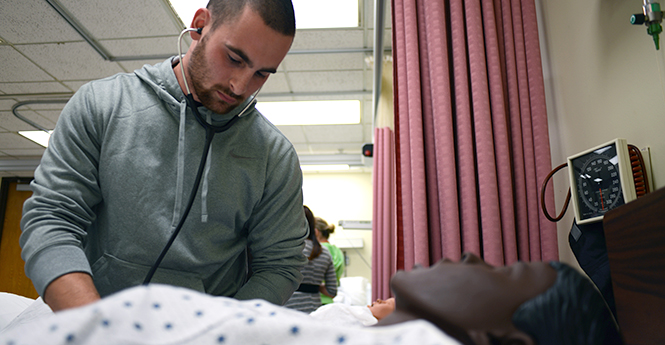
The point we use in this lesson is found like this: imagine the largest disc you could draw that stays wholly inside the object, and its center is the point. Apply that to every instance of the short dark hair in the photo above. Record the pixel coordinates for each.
(572, 311)
(277, 14)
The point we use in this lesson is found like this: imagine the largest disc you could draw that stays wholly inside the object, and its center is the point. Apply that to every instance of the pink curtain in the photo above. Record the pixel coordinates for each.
(384, 214)
(471, 135)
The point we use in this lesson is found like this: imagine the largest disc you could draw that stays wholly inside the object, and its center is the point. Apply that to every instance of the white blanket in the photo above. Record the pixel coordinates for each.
(160, 314)
(11, 306)
(344, 315)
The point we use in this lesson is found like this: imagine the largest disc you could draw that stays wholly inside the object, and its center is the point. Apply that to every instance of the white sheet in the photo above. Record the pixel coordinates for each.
(344, 315)
(160, 314)
(11, 306)
(35, 310)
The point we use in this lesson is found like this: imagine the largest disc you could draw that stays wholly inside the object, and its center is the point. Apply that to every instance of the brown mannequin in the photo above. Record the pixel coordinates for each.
(470, 300)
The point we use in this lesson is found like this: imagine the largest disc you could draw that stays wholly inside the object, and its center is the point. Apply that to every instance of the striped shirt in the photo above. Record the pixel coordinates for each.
(315, 272)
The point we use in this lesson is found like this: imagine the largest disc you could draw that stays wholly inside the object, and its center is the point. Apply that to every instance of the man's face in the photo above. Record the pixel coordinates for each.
(234, 60)
(471, 294)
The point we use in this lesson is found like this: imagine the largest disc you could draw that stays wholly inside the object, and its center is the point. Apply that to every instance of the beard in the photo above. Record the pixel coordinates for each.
(198, 68)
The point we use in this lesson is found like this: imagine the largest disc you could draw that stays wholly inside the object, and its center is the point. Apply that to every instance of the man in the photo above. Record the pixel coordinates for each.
(115, 180)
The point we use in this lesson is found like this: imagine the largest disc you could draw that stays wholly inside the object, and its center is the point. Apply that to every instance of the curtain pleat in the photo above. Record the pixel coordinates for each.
(470, 133)
(384, 220)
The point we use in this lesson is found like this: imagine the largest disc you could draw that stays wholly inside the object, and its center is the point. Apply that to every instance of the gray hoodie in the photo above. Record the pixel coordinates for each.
(114, 181)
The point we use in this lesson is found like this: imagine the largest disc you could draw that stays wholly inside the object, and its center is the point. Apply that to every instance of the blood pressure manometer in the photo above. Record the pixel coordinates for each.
(601, 179)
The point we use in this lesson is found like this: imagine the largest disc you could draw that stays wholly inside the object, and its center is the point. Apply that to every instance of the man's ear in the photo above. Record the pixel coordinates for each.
(201, 19)
(514, 337)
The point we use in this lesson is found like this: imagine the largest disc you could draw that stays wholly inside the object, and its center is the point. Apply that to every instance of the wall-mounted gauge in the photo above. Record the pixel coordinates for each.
(600, 180)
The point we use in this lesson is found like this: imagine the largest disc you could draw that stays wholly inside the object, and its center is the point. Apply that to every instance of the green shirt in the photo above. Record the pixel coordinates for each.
(338, 262)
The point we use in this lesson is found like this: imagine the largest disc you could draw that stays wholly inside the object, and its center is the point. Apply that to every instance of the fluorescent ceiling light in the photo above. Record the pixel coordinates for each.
(310, 14)
(317, 14)
(311, 112)
(40, 137)
(325, 167)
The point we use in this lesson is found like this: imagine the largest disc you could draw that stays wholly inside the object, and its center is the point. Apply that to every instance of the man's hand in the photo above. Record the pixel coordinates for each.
(70, 291)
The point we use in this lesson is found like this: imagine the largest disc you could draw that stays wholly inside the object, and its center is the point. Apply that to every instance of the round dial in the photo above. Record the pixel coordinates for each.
(598, 182)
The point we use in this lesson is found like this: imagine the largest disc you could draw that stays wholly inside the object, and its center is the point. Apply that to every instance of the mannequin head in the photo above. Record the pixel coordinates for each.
(481, 304)
(380, 308)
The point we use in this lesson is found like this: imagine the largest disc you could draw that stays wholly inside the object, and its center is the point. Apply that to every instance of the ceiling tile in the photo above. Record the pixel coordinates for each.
(123, 18)
(33, 87)
(30, 115)
(295, 134)
(328, 39)
(367, 112)
(51, 115)
(12, 123)
(326, 81)
(333, 133)
(387, 39)
(7, 104)
(339, 147)
(16, 68)
(166, 46)
(38, 151)
(368, 81)
(45, 104)
(277, 83)
(75, 85)
(71, 61)
(313, 62)
(34, 21)
(301, 148)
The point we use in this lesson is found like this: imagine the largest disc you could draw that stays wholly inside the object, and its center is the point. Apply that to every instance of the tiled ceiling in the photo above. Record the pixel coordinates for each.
(45, 60)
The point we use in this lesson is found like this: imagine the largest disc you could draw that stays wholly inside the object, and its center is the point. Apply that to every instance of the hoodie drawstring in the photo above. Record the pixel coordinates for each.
(204, 186)
(180, 177)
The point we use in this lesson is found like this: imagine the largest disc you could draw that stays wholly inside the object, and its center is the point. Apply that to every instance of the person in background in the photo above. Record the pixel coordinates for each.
(318, 269)
(323, 231)
(121, 165)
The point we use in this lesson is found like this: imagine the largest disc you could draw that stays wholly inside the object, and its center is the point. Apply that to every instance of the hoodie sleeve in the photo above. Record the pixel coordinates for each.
(65, 190)
(277, 234)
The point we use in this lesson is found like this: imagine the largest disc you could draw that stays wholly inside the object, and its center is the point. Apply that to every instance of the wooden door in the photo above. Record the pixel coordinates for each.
(12, 274)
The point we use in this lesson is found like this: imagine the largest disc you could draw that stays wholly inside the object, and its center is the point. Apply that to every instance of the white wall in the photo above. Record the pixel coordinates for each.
(343, 196)
(603, 81)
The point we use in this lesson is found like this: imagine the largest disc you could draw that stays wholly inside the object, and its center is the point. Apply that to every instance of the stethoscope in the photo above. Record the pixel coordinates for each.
(210, 132)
